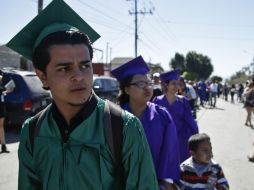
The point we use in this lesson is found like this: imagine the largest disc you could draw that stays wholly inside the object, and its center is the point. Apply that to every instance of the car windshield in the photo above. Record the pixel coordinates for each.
(34, 83)
(106, 84)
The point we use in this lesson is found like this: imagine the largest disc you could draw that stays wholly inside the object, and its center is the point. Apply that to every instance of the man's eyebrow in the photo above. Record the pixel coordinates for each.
(68, 63)
(85, 61)
(63, 64)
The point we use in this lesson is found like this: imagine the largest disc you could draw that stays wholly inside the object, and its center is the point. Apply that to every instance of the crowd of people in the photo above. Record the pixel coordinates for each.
(74, 143)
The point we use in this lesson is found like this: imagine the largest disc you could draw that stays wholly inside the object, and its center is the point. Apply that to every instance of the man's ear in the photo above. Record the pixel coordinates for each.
(42, 76)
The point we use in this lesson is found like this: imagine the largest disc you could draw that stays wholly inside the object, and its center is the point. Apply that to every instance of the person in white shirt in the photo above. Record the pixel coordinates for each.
(156, 85)
(189, 92)
(213, 93)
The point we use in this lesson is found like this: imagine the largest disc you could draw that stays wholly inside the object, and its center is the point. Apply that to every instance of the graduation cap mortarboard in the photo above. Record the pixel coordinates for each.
(57, 16)
(170, 75)
(133, 67)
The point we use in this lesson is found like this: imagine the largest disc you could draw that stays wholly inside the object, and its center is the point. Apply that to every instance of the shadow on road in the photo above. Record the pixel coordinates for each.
(222, 109)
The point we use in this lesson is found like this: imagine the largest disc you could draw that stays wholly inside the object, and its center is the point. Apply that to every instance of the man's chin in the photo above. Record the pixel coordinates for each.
(78, 103)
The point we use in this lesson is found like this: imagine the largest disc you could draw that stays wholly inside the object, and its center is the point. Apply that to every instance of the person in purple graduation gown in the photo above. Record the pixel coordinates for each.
(179, 108)
(136, 91)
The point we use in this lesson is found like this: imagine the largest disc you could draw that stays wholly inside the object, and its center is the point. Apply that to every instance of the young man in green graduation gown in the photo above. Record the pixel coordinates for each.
(70, 151)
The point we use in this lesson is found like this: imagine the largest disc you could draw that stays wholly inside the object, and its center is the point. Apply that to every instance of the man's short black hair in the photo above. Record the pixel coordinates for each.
(41, 56)
(196, 139)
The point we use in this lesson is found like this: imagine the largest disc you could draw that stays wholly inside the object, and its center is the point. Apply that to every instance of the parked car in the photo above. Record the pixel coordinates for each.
(106, 87)
(27, 98)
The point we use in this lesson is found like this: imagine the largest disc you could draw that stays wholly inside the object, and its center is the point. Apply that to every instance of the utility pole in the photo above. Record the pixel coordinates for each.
(110, 58)
(40, 6)
(100, 50)
(135, 13)
(107, 53)
(23, 61)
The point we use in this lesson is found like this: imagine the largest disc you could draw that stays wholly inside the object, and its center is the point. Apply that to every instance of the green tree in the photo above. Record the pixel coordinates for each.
(199, 64)
(155, 68)
(193, 62)
(23, 63)
(178, 62)
(206, 67)
(189, 76)
(239, 77)
(216, 78)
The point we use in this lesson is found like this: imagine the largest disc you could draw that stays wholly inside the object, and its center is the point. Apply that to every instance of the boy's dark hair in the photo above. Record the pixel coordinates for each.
(196, 139)
(41, 56)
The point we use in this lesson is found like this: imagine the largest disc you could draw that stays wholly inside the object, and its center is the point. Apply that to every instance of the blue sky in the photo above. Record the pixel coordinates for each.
(221, 29)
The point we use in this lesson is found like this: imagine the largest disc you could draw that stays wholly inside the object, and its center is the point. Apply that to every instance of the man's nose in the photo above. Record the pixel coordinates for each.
(77, 74)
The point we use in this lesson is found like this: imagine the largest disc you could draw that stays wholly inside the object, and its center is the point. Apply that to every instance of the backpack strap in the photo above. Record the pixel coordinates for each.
(113, 128)
(113, 119)
(108, 132)
(35, 125)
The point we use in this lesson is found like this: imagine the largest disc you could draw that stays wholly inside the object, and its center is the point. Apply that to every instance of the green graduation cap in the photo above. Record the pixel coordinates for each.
(57, 16)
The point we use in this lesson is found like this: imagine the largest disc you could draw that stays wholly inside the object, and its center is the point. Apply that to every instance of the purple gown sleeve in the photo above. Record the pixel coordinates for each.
(169, 155)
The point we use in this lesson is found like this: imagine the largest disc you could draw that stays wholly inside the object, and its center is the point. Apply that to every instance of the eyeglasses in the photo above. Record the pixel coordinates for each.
(142, 84)
(174, 83)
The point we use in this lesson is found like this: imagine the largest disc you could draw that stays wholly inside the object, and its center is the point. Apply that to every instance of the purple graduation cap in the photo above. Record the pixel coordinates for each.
(133, 67)
(170, 75)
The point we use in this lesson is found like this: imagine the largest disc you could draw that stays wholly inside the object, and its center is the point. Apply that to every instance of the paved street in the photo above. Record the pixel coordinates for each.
(231, 140)
(9, 169)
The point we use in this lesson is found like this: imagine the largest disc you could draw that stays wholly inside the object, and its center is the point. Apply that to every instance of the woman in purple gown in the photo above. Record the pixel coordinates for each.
(136, 91)
(179, 108)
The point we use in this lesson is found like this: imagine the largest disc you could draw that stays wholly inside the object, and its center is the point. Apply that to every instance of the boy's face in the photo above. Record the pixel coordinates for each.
(204, 153)
(69, 74)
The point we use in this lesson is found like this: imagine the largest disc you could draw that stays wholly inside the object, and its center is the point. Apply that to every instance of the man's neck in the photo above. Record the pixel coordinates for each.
(69, 111)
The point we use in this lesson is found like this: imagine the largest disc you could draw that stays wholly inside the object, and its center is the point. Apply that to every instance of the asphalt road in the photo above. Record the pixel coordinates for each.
(231, 140)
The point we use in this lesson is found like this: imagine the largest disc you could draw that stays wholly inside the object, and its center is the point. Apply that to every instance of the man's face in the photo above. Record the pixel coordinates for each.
(204, 152)
(69, 74)
(156, 80)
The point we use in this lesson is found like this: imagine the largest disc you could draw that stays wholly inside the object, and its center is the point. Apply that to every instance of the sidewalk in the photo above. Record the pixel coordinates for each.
(231, 140)
(9, 168)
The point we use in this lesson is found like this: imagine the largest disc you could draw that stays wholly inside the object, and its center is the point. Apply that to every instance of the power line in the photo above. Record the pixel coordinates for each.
(105, 15)
(135, 13)
(212, 24)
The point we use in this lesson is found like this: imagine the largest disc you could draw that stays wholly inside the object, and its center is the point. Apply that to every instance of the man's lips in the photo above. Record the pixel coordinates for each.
(78, 89)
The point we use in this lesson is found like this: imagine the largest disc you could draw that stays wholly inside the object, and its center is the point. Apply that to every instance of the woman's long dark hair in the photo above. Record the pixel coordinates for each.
(124, 98)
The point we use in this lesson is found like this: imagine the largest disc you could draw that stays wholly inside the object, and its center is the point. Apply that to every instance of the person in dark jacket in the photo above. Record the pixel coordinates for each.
(2, 115)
